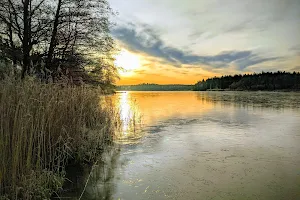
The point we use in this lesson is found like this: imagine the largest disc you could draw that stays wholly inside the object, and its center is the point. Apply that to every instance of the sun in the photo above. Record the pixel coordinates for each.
(127, 61)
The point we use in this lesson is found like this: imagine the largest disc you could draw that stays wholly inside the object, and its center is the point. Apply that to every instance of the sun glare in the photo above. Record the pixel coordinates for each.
(127, 61)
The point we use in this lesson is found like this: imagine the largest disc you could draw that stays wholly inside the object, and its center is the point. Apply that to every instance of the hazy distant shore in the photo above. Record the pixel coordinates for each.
(157, 87)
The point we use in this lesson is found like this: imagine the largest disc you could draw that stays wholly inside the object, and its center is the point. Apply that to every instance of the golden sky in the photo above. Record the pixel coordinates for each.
(182, 42)
(140, 68)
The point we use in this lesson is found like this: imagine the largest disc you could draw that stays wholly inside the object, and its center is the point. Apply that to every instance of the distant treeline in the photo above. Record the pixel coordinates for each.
(262, 81)
(155, 87)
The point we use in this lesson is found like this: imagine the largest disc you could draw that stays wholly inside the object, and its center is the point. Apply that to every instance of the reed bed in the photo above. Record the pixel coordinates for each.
(42, 128)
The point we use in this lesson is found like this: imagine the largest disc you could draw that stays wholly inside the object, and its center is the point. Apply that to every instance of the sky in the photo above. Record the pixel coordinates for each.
(184, 41)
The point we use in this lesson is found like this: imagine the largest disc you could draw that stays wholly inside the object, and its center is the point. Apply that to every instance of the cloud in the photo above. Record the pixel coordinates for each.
(144, 39)
(297, 69)
(200, 39)
(253, 60)
(295, 49)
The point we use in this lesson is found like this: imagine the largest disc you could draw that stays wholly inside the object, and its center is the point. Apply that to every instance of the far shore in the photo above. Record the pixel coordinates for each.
(209, 90)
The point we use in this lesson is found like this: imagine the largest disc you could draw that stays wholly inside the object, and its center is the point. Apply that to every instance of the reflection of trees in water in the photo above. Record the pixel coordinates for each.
(275, 100)
(101, 183)
(95, 182)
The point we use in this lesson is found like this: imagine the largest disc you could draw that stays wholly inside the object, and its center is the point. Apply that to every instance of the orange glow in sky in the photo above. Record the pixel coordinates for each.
(140, 68)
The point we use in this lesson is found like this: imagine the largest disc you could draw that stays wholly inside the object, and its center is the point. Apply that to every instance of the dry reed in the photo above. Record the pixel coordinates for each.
(42, 127)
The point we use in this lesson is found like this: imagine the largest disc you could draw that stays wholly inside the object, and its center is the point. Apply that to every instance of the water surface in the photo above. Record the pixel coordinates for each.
(203, 145)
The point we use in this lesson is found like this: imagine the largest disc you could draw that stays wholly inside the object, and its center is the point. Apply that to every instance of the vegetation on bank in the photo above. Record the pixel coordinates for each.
(261, 81)
(155, 87)
(46, 48)
(43, 128)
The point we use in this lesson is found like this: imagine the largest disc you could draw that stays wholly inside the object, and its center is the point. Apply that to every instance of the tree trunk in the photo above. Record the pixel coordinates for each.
(53, 36)
(26, 39)
(12, 45)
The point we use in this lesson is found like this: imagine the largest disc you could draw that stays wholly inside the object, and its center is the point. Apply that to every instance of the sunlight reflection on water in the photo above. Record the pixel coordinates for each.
(125, 112)
(130, 120)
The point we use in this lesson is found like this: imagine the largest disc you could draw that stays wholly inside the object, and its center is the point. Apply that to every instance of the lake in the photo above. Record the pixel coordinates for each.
(202, 145)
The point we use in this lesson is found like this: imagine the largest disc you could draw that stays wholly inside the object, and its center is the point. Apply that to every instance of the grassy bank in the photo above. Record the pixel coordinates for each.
(42, 128)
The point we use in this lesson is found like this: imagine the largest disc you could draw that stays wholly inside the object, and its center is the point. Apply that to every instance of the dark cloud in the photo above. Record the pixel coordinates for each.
(149, 42)
(252, 60)
(295, 49)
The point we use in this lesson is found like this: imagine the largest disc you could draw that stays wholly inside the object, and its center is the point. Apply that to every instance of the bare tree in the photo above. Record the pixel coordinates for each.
(65, 33)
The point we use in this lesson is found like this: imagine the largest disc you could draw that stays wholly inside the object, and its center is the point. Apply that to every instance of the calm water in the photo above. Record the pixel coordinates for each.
(203, 145)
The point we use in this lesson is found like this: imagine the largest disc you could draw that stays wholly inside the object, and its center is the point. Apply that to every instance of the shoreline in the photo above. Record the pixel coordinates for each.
(212, 90)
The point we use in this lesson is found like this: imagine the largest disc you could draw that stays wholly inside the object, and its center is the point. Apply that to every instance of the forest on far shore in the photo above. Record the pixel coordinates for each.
(258, 81)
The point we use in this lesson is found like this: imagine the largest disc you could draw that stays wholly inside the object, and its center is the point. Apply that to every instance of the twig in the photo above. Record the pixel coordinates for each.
(87, 180)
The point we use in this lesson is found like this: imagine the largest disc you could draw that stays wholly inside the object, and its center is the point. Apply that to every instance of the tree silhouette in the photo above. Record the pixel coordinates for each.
(51, 36)
(261, 81)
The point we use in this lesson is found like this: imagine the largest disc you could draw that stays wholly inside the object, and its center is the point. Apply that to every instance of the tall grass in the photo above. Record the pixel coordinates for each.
(42, 127)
